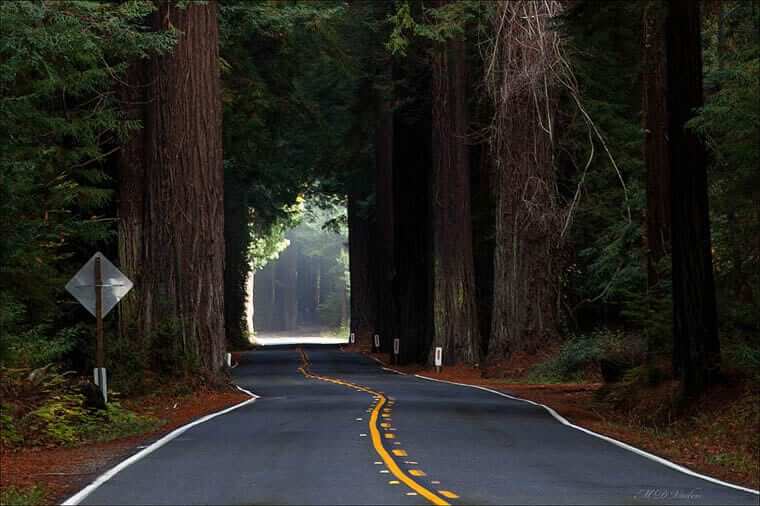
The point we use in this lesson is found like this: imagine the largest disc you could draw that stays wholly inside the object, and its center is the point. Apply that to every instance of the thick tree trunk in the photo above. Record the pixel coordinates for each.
(455, 323)
(236, 267)
(696, 348)
(184, 226)
(656, 150)
(382, 235)
(524, 313)
(412, 256)
(484, 229)
(363, 300)
(131, 207)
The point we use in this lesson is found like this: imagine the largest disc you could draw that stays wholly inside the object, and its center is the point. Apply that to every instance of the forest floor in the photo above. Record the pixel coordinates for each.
(48, 475)
(717, 436)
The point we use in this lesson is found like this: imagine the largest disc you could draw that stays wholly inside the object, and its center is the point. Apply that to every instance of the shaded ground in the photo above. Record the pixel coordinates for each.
(718, 439)
(63, 471)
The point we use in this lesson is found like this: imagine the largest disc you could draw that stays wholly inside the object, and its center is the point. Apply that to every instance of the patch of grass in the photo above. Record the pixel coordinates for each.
(117, 422)
(9, 435)
(65, 421)
(27, 496)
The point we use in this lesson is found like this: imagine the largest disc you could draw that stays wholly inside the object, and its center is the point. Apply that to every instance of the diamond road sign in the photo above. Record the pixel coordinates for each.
(114, 283)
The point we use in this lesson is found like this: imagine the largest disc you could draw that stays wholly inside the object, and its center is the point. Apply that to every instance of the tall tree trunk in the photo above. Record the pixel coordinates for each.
(455, 323)
(184, 243)
(363, 300)
(524, 91)
(382, 235)
(412, 256)
(656, 150)
(696, 348)
(236, 266)
(131, 206)
(484, 230)
(657, 159)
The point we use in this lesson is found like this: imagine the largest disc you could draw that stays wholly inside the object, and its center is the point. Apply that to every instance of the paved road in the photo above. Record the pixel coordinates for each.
(318, 436)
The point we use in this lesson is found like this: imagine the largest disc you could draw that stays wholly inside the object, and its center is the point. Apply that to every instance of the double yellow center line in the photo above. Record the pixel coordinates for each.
(377, 441)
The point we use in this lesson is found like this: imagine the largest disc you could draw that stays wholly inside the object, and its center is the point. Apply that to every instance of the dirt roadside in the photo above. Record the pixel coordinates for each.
(60, 472)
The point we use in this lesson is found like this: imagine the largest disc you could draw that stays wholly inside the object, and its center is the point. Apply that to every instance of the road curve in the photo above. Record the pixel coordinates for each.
(332, 427)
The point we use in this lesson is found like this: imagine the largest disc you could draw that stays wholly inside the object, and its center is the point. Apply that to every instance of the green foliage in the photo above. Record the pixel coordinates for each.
(436, 24)
(27, 496)
(60, 419)
(59, 63)
(730, 124)
(9, 435)
(579, 356)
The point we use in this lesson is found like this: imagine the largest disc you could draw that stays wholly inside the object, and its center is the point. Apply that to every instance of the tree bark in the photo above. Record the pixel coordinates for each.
(696, 347)
(656, 150)
(236, 266)
(131, 206)
(382, 235)
(184, 226)
(524, 315)
(412, 253)
(455, 324)
(363, 300)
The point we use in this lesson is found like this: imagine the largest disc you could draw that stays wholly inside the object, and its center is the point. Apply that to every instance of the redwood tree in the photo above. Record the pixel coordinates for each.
(382, 235)
(655, 123)
(696, 348)
(183, 242)
(363, 309)
(455, 323)
(523, 87)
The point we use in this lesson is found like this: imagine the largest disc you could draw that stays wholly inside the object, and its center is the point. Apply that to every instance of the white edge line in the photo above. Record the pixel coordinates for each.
(393, 370)
(100, 480)
(621, 444)
(385, 367)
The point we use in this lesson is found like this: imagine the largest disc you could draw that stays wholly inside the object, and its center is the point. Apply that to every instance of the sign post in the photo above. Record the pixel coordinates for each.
(438, 358)
(100, 359)
(99, 286)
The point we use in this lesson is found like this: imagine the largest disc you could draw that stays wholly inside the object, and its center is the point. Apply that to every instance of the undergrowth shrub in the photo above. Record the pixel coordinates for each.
(26, 496)
(580, 356)
(43, 407)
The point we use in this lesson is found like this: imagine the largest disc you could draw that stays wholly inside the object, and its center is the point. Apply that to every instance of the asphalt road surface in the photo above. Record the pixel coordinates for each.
(332, 427)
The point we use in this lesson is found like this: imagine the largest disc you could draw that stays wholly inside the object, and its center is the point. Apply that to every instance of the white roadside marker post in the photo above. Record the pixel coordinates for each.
(395, 350)
(352, 338)
(438, 358)
(376, 339)
(228, 359)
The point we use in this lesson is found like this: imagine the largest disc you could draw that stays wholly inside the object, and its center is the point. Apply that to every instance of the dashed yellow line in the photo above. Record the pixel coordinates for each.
(376, 440)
